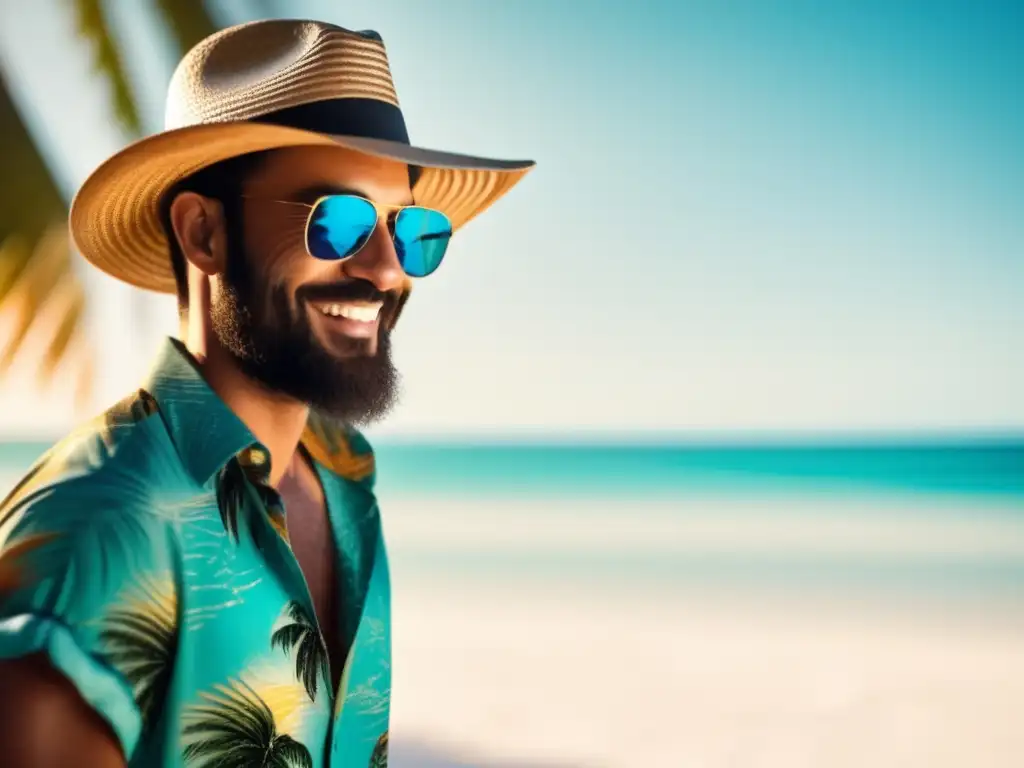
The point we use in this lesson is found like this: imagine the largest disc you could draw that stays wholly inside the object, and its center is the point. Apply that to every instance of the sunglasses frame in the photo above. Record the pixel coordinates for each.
(378, 209)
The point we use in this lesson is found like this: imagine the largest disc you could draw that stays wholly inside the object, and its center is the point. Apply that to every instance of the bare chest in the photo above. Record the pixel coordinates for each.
(312, 541)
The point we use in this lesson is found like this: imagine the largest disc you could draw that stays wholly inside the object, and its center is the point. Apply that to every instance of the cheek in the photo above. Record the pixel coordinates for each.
(284, 261)
(275, 240)
(282, 247)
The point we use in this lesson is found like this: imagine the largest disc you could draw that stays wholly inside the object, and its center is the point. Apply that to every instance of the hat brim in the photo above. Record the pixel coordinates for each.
(115, 217)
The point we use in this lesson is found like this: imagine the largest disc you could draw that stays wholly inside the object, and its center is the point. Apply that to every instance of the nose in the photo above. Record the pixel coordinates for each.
(377, 262)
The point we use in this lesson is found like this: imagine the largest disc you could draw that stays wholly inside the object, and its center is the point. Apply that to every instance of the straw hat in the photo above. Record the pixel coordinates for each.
(259, 86)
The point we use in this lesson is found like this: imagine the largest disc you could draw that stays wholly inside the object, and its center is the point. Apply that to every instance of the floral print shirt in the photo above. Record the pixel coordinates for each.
(148, 558)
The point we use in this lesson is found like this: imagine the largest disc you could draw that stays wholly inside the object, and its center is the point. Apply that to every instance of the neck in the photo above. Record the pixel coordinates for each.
(276, 420)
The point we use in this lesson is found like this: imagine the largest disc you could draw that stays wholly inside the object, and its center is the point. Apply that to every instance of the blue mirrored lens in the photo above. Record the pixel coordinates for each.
(421, 238)
(339, 226)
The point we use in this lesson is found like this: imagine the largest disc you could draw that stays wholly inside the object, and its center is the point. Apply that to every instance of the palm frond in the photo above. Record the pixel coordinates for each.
(140, 639)
(15, 250)
(34, 252)
(30, 200)
(379, 758)
(68, 335)
(236, 710)
(187, 21)
(29, 296)
(236, 727)
(298, 613)
(92, 25)
(286, 637)
(231, 497)
(289, 753)
(311, 662)
(302, 636)
(31, 205)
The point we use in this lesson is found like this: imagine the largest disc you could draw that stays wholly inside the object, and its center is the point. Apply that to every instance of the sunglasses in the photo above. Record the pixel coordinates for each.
(338, 226)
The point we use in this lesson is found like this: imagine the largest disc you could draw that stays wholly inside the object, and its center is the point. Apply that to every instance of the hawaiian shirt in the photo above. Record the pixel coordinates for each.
(148, 558)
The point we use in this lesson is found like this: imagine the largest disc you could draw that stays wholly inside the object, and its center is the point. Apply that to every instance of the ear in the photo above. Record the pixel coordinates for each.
(199, 226)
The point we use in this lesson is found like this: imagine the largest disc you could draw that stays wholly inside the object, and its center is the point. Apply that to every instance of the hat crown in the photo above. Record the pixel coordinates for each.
(254, 69)
(259, 87)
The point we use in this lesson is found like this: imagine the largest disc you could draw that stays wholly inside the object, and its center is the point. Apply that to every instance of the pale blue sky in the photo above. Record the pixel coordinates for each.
(747, 216)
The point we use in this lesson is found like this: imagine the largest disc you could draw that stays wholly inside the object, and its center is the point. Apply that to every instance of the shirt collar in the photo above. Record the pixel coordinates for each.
(207, 433)
(204, 430)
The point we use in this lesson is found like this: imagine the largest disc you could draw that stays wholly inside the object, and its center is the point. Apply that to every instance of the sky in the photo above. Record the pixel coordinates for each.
(746, 217)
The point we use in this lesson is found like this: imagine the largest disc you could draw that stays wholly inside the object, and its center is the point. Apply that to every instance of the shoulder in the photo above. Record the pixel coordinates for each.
(108, 459)
(341, 449)
(89, 564)
(89, 505)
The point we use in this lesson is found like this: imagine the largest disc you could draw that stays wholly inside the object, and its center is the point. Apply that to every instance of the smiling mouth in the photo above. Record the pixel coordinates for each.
(352, 318)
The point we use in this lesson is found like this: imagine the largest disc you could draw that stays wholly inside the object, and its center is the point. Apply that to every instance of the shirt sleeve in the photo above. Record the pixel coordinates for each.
(87, 578)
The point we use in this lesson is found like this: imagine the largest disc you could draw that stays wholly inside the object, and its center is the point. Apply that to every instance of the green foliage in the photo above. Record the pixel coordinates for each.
(38, 285)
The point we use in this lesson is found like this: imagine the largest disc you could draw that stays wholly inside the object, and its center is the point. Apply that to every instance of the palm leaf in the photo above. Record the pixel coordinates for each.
(236, 729)
(32, 292)
(287, 636)
(68, 336)
(140, 639)
(289, 753)
(15, 253)
(187, 21)
(311, 658)
(34, 253)
(379, 758)
(297, 613)
(30, 200)
(311, 663)
(31, 204)
(231, 496)
(92, 25)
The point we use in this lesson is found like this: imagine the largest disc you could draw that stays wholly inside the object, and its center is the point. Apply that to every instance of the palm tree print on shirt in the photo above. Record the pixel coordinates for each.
(234, 482)
(302, 635)
(239, 726)
(231, 497)
(379, 758)
(140, 639)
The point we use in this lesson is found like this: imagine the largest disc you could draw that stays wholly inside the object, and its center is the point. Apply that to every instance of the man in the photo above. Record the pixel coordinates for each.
(198, 578)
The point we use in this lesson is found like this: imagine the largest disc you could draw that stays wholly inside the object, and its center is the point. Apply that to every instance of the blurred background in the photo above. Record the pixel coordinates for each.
(711, 449)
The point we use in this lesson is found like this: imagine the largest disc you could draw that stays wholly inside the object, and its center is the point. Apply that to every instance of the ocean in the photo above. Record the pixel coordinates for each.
(899, 518)
(719, 604)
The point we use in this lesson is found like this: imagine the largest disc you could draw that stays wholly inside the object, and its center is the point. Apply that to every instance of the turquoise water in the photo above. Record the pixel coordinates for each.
(988, 468)
(897, 519)
(993, 468)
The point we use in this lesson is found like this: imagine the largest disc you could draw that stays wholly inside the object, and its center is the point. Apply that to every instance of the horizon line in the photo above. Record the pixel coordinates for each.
(725, 437)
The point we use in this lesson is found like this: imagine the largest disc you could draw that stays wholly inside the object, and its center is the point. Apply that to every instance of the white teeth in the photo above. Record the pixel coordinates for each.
(363, 313)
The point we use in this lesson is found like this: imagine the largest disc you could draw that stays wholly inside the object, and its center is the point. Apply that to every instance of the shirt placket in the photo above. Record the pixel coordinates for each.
(275, 547)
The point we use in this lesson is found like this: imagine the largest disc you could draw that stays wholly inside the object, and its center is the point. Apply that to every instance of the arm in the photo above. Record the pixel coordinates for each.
(79, 564)
(45, 723)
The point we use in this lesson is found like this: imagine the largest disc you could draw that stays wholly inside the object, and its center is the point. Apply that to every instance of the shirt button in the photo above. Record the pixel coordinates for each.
(257, 456)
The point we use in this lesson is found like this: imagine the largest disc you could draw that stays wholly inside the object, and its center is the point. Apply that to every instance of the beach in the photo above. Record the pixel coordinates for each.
(497, 677)
(565, 666)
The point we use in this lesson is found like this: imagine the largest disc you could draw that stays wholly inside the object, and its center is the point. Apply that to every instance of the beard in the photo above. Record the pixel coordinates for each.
(273, 343)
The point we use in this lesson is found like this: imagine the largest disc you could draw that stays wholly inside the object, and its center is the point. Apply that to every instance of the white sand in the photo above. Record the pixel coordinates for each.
(497, 673)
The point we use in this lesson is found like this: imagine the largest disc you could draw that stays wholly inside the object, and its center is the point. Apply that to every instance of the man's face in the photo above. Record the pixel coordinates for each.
(316, 331)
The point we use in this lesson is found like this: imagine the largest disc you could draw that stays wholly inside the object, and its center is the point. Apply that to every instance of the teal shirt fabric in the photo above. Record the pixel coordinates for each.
(147, 557)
